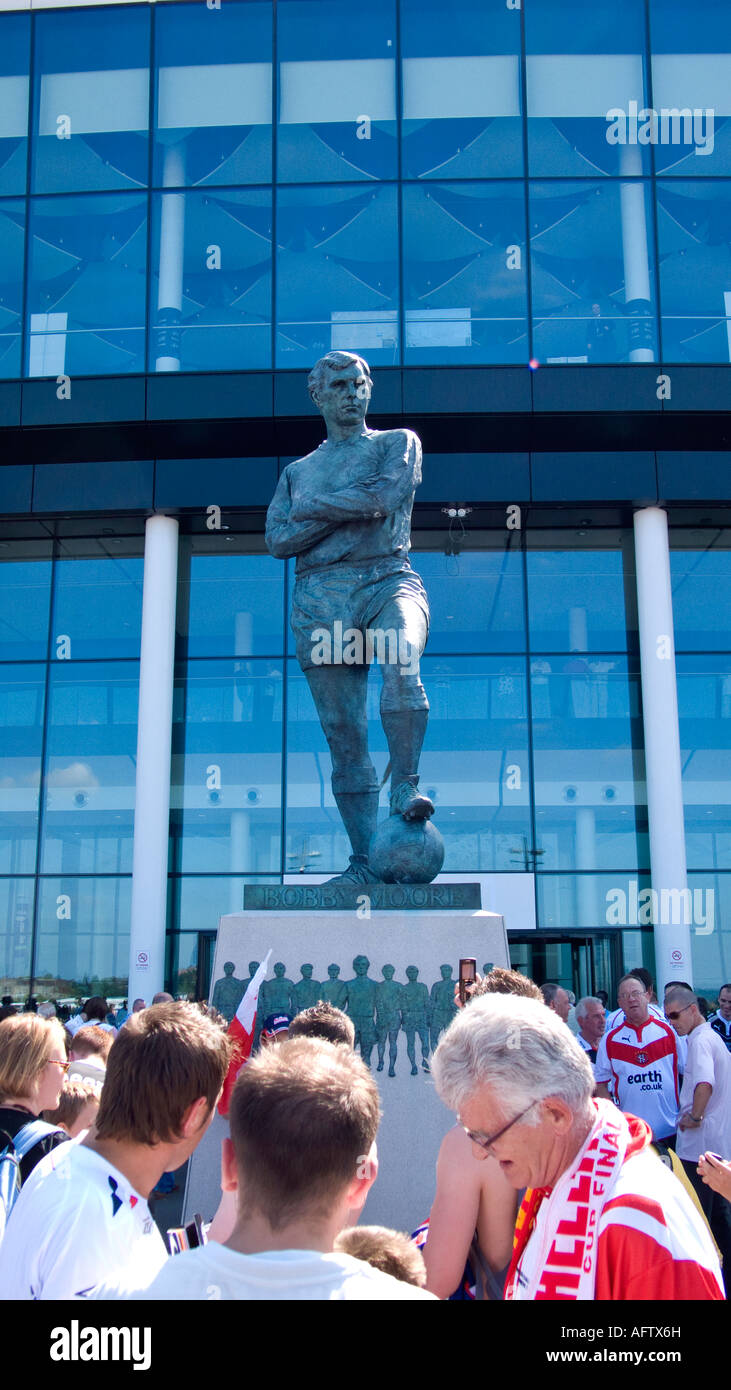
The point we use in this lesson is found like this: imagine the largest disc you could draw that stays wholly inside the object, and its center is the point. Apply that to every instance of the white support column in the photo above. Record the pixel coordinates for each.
(152, 784)
(635, 253)
(662, 749)
(172, 251)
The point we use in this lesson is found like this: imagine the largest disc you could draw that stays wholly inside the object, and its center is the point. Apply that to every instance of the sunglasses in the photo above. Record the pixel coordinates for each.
(673, 1017)
(52, 1062)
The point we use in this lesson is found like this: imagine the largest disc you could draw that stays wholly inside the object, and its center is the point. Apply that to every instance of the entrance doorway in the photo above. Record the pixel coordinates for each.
(581, 961)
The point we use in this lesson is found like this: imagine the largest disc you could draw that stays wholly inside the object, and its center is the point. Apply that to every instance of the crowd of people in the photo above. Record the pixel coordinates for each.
(590, 1156)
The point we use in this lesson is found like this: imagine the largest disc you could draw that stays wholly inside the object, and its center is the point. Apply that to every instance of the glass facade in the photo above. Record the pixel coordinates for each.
(534, 751)
(244, 188)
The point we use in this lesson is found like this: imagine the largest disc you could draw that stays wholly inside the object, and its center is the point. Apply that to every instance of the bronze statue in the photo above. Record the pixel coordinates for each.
(345, 512)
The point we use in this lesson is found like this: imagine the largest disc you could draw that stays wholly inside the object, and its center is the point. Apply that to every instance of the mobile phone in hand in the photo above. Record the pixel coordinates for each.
(467, 976)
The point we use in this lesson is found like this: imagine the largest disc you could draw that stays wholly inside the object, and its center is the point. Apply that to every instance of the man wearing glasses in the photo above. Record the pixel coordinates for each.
(639, 1056)
(602, 1218)
(705, 1108)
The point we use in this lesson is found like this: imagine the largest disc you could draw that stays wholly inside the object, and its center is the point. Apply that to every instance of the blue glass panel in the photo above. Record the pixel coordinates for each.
(461, 89)
(90, 768)
(22, 693)
(476, 598)
(91, 99)
(337, 274)
(695, 270)
(211, 295)
(691, 73)
(592, 269)
(587, 752)
(711, 903)
(704, 710)
(227, 767)
(97, 600)
(83, 938)
(229, 604)
(337, 91)
(595, 900)
(213, 94)
(16, 925)
(199, 900)
(474, 766)
(586, 83)
(14, 87)
(12, 256)
(86, 289)
(700, 571)
(581, 596)
(25, 590)
(465, 274)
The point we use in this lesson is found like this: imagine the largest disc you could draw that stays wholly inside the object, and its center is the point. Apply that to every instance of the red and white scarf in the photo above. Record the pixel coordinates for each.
(563, 1264)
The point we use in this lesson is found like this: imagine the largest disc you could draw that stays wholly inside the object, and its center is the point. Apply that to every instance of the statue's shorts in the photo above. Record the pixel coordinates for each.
(343, 599)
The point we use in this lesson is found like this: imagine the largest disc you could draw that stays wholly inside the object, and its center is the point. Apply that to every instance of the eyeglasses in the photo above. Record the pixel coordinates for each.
(53, 1062)
(673, 1018)
(487, 1144)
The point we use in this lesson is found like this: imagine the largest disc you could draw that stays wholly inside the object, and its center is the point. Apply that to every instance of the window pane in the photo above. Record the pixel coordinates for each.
(337, 114)
(704, 710)
(585, 64)
(695, 270)
(90, 768)
(22, 693)
(227, 767)
(464, 270)
(199, 900)
(588, 759)
(475, 598)
(98, 599)
(592, 272)
(596, 900)
(92, 99)
(581, 591)
(711, 949)
(211, 292)
(16, 925)
(83, 938)
(25, 588)
(12, 255)
(229, 604)
(14, 69)
(337, 275)
(461, 89)
(691, 72)
(86, 292)
(213, 110)
(700, 571)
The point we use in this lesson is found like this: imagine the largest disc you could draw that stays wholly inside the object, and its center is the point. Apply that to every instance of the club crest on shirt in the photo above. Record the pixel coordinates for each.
(641, 1058)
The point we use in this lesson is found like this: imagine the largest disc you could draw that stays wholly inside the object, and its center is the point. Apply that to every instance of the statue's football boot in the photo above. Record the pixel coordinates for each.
(409, 802)
(358, 871)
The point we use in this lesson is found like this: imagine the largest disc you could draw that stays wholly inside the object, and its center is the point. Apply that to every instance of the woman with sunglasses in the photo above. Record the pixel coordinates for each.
(32, 1070)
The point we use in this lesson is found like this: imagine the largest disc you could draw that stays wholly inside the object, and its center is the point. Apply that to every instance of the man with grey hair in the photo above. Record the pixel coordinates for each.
(591, 1018)
(705, 1108)
(556, 998)
(344, 510)
(602, 1218)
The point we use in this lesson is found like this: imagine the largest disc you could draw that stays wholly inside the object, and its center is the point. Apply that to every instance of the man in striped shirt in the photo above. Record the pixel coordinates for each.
(639, 1057)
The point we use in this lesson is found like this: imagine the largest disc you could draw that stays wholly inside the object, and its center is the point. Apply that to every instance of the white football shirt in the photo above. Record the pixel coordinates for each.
(641, 1066)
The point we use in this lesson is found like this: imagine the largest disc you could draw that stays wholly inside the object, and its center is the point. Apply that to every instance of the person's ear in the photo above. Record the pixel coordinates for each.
(558, 1114)
(196, 1117)
(229, 1167)
(366, 1172)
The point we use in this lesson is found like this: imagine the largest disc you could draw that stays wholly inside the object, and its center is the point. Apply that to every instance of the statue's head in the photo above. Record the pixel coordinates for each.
(412, 973)
(253, 967)
(333, 971)
(306, 972)
(340, 386)
(279, 969)
(228, 967)
(388, 972)
(446, 972)
(360, 965)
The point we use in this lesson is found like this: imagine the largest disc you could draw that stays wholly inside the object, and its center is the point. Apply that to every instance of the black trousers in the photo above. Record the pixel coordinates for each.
(717, 1211)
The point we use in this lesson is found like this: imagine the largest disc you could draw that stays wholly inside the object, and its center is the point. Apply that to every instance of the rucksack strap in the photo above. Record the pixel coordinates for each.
(31, 1134)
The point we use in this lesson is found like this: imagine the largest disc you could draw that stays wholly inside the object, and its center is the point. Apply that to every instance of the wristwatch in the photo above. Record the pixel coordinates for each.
(697, 1119)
